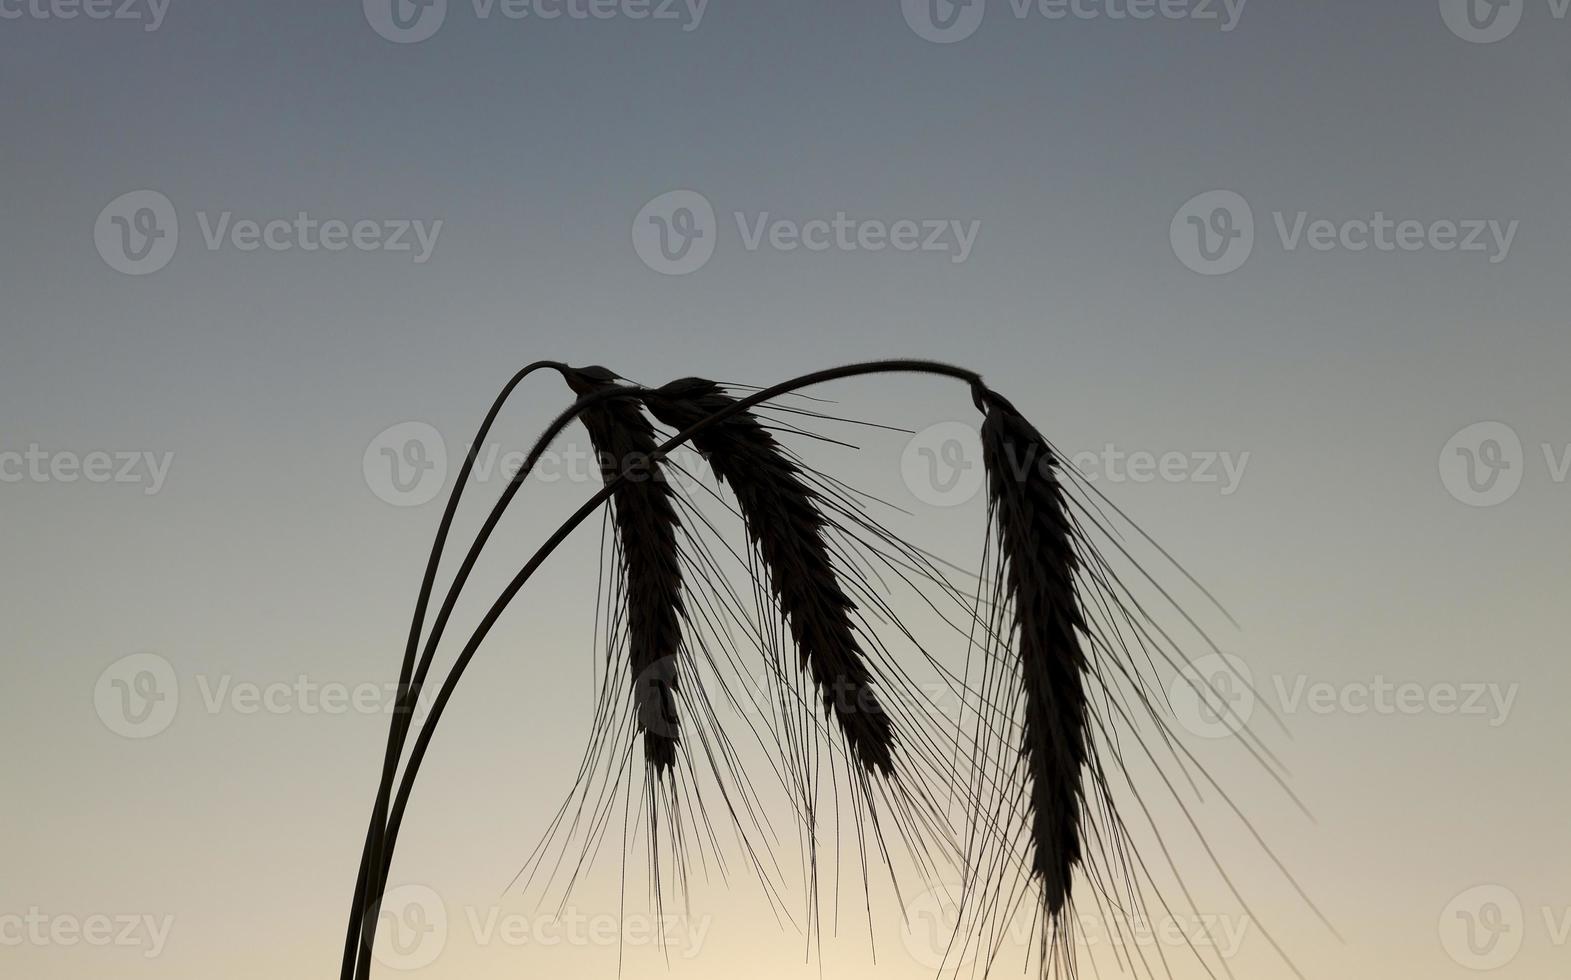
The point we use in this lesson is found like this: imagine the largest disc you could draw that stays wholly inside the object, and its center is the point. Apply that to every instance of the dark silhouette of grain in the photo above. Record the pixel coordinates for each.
(786, 524)
(1049, 614)
(646, 526)
(1036, 551)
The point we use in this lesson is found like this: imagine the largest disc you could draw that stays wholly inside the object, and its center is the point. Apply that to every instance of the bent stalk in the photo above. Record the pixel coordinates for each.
(366, 912)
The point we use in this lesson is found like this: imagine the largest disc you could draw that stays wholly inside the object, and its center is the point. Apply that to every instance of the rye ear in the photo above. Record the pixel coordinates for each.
(786, 524)
(1038, 563)
(646, 528)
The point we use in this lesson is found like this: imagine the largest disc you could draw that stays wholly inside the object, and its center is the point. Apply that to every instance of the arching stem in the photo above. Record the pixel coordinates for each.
(372, 907)
(398, 728)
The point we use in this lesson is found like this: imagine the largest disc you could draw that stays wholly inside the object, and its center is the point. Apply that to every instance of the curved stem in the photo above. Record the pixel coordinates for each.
(368, 906)
(439, 704)
(399, 727)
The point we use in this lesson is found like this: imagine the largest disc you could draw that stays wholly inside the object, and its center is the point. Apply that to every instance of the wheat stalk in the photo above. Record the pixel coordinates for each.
(1043, 559)
(1039, 569)
(784, 522)
(378, 856)
(646, 524)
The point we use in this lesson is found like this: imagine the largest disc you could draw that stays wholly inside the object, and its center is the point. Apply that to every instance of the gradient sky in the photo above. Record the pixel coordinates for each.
(1348, 555)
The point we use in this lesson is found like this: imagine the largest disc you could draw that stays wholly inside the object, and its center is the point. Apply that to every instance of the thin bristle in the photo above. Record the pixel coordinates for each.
(646, 525)
(786, 524)
(1039, 564)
